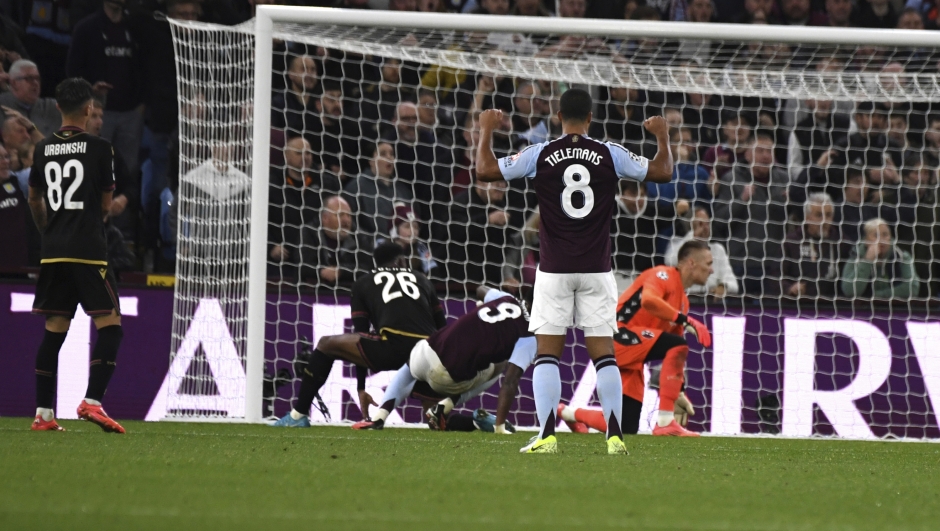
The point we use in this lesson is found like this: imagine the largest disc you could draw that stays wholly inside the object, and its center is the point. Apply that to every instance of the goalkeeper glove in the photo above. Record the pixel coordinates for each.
(695, 327)
(683, 410)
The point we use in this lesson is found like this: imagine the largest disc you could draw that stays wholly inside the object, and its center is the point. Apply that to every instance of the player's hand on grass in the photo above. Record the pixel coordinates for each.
(657, 126)
(696, 328)
(490, 119)
(683, 409)
(365, 400)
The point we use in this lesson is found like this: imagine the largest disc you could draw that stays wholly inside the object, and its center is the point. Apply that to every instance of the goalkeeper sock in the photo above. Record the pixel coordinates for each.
(670, 380)
(592, 418)
(609, 391)
(398, 389)
(313, 377)
(47, 365)
(568, 414)
(103, 361)
(546, 385)
(665, 418)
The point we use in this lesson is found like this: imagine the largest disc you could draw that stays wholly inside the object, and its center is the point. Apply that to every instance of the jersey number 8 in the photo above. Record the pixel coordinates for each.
(405, 280)
(54, 175)
(582, 185)
(505, 310)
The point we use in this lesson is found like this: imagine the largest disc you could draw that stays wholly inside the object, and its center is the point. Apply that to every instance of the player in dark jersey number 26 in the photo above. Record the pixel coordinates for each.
(399, 304)
(70, 188)
(575, 179)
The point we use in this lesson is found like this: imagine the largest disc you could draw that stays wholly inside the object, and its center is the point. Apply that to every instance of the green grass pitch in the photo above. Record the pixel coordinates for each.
(221, 477)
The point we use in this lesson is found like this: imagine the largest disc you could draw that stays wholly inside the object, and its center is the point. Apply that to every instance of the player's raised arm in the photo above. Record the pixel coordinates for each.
(487, 165)
(660, 168)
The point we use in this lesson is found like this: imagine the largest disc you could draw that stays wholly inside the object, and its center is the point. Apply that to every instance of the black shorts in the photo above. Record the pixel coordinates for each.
(63, 286)
(386, 353)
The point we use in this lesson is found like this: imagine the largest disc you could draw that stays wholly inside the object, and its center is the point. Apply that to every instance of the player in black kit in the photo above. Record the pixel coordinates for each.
(70, 188)
(402, 308)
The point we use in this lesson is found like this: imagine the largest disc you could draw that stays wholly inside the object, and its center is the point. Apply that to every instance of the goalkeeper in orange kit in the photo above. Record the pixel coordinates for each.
(651, 320)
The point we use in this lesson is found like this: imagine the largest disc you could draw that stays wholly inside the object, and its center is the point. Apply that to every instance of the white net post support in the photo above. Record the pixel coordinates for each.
(257, 258)
(363, 35)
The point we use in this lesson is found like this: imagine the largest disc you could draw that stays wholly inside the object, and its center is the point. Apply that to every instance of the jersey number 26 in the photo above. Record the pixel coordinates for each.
(54, 176)
(405, 280)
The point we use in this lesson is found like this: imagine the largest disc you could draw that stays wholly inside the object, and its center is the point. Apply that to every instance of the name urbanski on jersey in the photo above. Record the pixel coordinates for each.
(65, 149)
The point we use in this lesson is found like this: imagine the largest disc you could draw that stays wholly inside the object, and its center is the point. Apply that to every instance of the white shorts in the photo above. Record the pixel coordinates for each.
(426, 366)
(581, 300)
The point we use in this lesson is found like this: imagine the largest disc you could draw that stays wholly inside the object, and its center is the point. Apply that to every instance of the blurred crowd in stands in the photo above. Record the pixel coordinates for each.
(799, 199)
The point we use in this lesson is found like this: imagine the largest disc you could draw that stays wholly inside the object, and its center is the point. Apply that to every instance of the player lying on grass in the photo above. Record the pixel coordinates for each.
(651, 317)
(464, 359)
(402, 308)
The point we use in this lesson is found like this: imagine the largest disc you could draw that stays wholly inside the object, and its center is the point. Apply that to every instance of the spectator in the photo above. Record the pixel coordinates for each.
(25, 157)
(620, 120)
(422, 162)
(48, 35)
(572, 8)
(814, 135)
(690, 179)
(124, 202)
(865, 148)
(799, 13)
(750, 214)
(380, 99)
(918, 15)
(856, 209)
(812, 252)
(158, 76)
(839, 13)
(878, 268)
(476, 233)
(104, 53)
(25, 85)
(722, 281)
(736, 138)
(641, 229)
(17, 131)
(875, 14)
(530, 120)
(334, 252)
(294, 110)
(434, 118)
(296, 196)
(335, 137)
(14, 215)
(12, 48)
(918, 202)
(404, 232)
(374, 194)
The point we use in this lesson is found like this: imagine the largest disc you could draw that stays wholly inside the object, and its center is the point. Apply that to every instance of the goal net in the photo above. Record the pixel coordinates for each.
(806, 157)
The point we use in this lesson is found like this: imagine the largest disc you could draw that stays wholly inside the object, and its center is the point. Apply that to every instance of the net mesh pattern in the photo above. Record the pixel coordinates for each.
(783, 153)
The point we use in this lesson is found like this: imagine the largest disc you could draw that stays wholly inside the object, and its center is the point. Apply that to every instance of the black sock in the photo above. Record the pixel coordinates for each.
(457, 422)
(103, 360)
(47, 365)
(313, 377)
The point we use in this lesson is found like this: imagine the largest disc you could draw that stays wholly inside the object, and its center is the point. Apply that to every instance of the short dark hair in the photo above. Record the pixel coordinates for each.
(73, 94)
(576, 105)
(386, 253)
(690, 247)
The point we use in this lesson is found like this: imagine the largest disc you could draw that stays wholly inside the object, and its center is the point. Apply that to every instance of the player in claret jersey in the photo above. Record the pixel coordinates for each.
(652, 316)
(464, 359)
(70, 188)
(575, 179)
(401, 307)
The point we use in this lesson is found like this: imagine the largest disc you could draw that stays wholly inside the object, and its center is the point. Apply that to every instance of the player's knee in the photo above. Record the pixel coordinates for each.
(58, 324)
(326, 343)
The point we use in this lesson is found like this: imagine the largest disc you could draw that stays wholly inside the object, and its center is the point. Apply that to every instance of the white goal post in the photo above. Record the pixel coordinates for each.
(386, 34)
